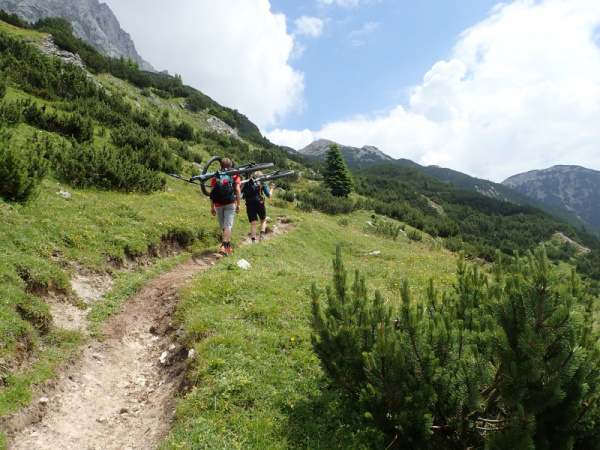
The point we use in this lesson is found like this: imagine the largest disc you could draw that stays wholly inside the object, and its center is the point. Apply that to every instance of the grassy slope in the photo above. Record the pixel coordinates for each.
(266, 347)
(255, 380)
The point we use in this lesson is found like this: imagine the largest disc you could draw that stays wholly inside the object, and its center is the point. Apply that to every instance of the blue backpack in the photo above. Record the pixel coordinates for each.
(223, 191)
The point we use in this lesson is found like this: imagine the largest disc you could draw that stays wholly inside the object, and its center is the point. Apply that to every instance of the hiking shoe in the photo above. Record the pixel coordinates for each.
(223, 250)
(229, 250)
(261, 238)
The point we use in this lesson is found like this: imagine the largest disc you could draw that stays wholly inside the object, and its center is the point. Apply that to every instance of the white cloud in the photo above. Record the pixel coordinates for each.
(520, 92)
(357, 37)
(342, 3)
(309, 26)
(291, 138)
(235, 51)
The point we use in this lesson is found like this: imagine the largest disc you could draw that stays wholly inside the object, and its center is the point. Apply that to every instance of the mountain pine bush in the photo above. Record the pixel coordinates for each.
(22, 167)
(106, 168)
(509, 359)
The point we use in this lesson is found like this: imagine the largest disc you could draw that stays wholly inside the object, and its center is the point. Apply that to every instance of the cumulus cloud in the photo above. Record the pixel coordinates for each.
(291, 138)
(520, 92)
(309, 26)
(237, 52)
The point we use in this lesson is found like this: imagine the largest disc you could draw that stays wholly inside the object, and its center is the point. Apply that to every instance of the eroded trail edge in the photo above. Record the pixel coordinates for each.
(120, 393)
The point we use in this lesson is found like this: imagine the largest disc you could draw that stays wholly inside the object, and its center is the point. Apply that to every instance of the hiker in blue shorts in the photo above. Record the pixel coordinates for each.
(254, 193)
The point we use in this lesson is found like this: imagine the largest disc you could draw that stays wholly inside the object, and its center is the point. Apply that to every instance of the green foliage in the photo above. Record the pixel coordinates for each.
(73, 126)
(3, 86)
(287, 195)
(197, 101)
(22, 167)
(13, 19)
(41, 75)
(466, 219)
(384, 227)
(323, 200)
(337, 177)
(106, 168)
(145, 147)
(414, 235)
(507, 360)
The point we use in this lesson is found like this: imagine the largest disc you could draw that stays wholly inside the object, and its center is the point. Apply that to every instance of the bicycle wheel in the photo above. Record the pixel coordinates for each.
(250, 169)
(206, 189)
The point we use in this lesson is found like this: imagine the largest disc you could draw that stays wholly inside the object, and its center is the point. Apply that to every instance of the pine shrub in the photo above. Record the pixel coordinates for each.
(509, 359)
(22, 167)
(323, 200)
(106, 168)
(147, 146)
(384, 228)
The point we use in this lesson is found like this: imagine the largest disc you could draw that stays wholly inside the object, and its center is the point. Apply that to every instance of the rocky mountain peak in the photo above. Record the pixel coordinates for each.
(366, 155)
(573, 187)
(92, 21)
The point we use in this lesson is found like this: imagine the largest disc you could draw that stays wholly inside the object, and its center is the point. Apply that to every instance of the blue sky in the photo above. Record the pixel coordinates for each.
(489, 89)
(368, 53)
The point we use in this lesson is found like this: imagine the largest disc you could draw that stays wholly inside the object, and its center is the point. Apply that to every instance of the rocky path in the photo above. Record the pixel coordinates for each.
(119, 393)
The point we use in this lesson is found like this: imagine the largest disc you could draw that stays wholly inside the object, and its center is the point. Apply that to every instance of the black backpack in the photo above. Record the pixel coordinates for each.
(223, 191)
(253, 192)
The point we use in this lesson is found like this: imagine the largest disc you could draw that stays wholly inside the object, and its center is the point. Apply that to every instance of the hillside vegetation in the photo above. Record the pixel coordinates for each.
(294, 352)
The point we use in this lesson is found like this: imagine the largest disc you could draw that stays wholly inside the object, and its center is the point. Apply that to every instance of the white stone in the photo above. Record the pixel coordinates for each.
(243, 264)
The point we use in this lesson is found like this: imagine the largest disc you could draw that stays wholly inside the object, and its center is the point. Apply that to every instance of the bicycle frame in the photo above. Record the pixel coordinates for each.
(219, 173)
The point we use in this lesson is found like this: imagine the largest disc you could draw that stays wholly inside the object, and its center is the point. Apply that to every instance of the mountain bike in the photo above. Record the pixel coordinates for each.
(205, 175)
(238, 170)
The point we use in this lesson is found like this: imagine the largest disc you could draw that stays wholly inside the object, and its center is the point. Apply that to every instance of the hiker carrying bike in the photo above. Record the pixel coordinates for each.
(254, 193)
(225, 197)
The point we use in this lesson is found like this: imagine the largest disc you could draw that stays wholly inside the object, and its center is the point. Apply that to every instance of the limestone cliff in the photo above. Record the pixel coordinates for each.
(92, 21)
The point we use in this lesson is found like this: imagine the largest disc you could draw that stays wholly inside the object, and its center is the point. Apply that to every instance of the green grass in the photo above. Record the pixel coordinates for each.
(255, 381)
(21, 33)
(45, 241)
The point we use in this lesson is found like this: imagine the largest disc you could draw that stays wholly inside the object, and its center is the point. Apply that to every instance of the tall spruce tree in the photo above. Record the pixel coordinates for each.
(337, 177)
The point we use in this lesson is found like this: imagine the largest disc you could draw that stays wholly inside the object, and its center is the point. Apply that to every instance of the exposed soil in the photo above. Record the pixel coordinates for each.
(120, 393)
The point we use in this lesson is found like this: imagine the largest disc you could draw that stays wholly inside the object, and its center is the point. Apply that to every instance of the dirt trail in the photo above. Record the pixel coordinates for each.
(119, 393)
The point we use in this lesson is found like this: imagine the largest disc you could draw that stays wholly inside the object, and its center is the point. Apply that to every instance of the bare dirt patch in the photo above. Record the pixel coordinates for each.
(120, 393)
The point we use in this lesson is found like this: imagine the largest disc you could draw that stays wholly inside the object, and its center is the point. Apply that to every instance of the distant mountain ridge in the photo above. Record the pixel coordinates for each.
(354, 156)
(575, 204)
(92, 21)
(573, 187)
(506, 193)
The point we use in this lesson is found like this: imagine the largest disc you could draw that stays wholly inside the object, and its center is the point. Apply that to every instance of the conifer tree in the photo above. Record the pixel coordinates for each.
(510, 359)
(337, 177)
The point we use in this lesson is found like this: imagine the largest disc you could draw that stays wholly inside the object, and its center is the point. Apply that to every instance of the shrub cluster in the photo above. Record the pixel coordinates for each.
(106, 168)
(507, 360)
(321, 199)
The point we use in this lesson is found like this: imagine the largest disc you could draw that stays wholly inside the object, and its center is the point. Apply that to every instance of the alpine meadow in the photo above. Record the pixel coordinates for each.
(386, 309)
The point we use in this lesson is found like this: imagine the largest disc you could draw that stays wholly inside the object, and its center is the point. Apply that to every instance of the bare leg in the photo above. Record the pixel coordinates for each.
(227, 235)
